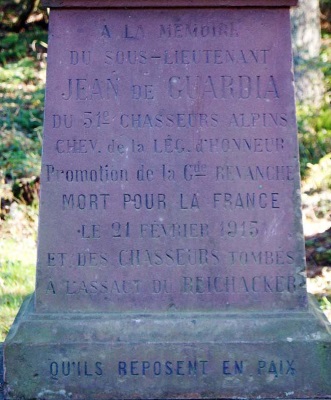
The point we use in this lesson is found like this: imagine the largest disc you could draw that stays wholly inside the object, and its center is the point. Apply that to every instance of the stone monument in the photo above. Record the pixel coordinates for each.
(171, 254)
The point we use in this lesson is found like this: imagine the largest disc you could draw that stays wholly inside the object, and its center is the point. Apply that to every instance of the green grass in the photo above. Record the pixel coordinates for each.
(21, 115)
(17, 278)
(22, 81)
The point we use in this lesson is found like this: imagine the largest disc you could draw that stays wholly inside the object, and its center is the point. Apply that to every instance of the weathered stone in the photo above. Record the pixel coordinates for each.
(1, 371)
(166, 3)
(170, 163)
(170, 255)
(158, 356)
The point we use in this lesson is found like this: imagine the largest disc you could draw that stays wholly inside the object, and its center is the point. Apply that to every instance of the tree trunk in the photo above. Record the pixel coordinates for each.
(306, 35)
(27, 9)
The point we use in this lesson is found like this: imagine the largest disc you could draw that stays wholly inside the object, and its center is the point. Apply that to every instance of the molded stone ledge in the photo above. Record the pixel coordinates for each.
(166, 3)
(161, 356)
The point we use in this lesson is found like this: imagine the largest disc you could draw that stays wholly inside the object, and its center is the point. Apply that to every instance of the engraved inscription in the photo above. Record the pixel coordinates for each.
(276, 368)
(240, 87)
(170, 164)
(75, 369)
(230, 284)
(243, 201)
(168, 368)
(189, 30)
(92, 89)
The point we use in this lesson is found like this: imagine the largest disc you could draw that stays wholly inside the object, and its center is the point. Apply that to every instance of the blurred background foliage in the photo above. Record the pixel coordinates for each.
(23, 52)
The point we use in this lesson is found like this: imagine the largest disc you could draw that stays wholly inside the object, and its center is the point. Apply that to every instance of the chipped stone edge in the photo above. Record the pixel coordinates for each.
(166, 3)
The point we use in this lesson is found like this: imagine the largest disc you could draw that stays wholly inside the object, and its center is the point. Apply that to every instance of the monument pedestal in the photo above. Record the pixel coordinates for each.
(158, 356)
(171, 253)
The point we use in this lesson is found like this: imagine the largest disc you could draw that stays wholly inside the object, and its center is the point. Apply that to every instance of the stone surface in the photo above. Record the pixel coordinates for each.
(170, 176)
(1, 372)
(167, 3)
(170, 254)
(158, 356)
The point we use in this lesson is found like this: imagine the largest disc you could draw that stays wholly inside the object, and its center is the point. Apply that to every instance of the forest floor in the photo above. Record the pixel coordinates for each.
(316, 209)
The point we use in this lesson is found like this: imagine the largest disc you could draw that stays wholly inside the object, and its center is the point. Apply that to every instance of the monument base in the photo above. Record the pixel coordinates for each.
(187, 355)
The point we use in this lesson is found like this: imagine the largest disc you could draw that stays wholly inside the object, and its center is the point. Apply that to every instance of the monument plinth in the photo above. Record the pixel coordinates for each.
(171, 254)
